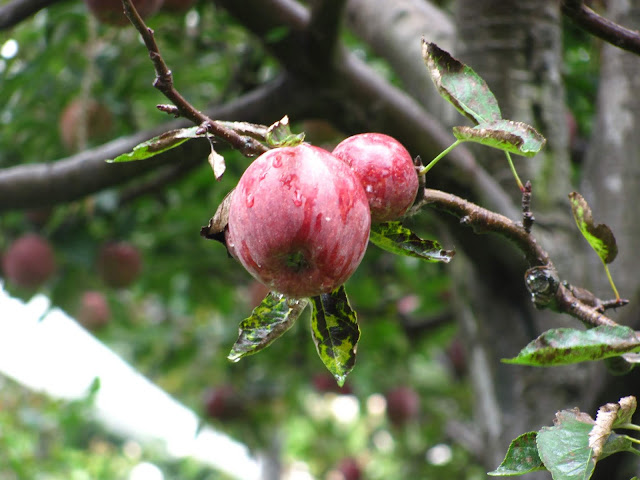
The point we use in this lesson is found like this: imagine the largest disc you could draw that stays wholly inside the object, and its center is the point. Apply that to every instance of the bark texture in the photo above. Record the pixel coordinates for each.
(610, 184)
(516, 47)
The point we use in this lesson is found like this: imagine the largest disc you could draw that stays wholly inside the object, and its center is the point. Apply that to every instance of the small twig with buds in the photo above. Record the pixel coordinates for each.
(547, 291)
(164, 82)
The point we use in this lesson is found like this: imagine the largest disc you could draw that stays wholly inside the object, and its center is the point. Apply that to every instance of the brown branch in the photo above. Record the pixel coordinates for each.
(542, 279)
(324, 29)
(601, 27)
(15, 12)
(69, 179)
(164, 83)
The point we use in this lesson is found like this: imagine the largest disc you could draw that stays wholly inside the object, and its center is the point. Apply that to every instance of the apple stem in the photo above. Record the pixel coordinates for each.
(513, 170)
(435, 160)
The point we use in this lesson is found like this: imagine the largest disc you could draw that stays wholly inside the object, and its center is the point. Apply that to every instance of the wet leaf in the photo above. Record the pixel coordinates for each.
(522, 457)
(599, 236)
(279, 135)
(564, 448)
(335, 332)
(268, 321)
(460, 85)
(563, 346)
(507, 135)
(395, 238)
(157, 145)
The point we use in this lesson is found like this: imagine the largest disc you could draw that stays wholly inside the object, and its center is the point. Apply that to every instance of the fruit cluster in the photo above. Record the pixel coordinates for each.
(299, 218)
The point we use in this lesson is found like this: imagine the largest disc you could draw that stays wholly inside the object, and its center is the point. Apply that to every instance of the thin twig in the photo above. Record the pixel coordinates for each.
(164, 82)
(527, 216)
(601, 27)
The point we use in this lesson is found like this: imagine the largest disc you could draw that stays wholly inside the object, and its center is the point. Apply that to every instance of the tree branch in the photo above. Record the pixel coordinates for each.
(324, 29)
(164, 83)
(15, 12)
(601, 27)
(69, 179)
(542, 279)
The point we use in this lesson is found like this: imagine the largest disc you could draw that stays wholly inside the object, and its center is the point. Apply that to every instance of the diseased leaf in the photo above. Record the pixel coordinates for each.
(599, 236)
(564, 448)
(218, 223)
(602, 439)
(460, 85)
(335, 332)
(279, 135)
(522, 457)
(157, 145)
(395, 238)
(217, 164)
(563, 346)
(268, 321)
(514, 137)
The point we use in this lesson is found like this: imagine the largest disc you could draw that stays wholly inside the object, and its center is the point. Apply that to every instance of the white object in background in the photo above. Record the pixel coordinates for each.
(47, 351)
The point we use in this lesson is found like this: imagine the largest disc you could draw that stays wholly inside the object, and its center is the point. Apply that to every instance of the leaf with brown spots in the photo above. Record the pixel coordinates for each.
(563, 346)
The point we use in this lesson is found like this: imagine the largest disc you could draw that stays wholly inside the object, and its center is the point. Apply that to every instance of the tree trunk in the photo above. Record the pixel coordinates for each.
(516, 47)
(610, 184)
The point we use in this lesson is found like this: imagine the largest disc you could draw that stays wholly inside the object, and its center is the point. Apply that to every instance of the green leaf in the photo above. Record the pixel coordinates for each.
(335, 332)
(563, 346)
(507, 135)
(460, 85)
(522, 457)
(157, 145)
(279, 135)
(600, 236)
(268, 321)
(395, 238)
(564, 448)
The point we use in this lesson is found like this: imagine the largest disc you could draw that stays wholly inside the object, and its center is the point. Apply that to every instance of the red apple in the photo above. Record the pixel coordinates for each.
(350, 469)
(119, 264)
(112, 11)
(223, 403)
(29, 261)
(94, 312)
(299, 221)
(82, 121)
(403, 404)
(386, 171)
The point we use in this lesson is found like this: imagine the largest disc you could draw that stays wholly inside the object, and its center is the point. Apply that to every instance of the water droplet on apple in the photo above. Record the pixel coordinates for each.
(277, 162)
(297, 198)
(369, 189)
(328, 219)
(250, 200)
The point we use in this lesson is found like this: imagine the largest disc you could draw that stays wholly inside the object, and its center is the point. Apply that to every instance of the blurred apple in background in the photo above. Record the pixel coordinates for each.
(29, 261)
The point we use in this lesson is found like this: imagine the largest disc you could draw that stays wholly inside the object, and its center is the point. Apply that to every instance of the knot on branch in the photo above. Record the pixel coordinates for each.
(543, 283)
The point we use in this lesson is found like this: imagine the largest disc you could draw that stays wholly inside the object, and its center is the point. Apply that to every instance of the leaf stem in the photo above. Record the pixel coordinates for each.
(435, 160)
(513, 170)
(613, 286)
(630, 426)
(632, 440)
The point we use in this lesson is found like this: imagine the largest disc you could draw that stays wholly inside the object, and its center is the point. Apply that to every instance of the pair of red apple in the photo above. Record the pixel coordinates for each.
(300, 216)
